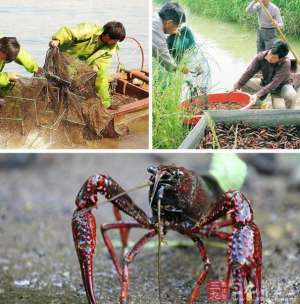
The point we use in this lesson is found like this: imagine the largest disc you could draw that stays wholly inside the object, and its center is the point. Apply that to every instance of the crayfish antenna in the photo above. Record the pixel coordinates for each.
(84, 235)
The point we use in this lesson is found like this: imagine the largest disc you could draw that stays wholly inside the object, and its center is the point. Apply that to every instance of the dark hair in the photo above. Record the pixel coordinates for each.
(172, 11)
(9, 46)
(115, 30)
(280, 48)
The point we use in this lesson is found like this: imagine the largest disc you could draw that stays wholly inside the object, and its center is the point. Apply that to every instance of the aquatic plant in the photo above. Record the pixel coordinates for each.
(168, 128)
(235, 11)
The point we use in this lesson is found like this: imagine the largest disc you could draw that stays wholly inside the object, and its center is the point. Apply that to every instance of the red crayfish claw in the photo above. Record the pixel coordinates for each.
(245, 251)
(84, 235)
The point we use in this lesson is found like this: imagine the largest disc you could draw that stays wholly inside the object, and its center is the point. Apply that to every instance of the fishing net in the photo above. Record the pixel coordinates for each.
(68, 92)
(19, 111)
(64, 101)
(72, 95)
(198, 81)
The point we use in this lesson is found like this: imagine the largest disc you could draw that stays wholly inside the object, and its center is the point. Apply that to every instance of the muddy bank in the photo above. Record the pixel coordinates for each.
(37, 258)
(70, 136)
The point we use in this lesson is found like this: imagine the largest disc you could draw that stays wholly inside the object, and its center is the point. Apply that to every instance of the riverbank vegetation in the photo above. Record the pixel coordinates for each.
(168, 128)
(235, 11)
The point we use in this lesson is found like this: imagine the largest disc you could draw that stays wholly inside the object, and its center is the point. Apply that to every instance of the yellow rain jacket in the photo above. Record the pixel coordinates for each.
(81, 42)
(24, 59)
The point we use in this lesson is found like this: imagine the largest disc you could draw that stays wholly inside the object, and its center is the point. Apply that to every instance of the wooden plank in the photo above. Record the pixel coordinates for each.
(132, 106)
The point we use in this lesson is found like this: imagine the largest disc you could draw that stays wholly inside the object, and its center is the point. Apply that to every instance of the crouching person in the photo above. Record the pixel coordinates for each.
(276, 76)
(95, 45)
(10, 50)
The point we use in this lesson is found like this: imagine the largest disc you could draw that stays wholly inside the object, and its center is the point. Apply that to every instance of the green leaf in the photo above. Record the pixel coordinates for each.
(229, 171)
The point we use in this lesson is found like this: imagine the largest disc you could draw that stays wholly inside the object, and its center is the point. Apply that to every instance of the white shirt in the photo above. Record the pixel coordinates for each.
(159, 44)
(263, 18)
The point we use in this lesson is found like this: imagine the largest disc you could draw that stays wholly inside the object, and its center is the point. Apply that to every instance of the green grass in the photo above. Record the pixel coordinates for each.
(235, 11)
(168, 128)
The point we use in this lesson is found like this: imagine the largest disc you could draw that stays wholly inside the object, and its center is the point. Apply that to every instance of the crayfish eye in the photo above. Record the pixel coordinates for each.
(177, 173)
(152, 170)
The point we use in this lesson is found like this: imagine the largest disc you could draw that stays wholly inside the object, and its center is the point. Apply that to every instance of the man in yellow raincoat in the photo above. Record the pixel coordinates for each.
(94, 45)
(10, 50)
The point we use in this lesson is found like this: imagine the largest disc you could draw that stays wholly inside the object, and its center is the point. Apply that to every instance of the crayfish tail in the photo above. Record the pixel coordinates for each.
(84, 235)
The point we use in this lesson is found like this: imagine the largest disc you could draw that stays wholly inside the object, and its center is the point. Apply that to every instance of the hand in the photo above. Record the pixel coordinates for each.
(233, 90)
(113, 107)
(178, 33)
(13, 77)
(39, 72)
(275, 23)
(184, 70)
(54, 43)
(265, 105)
(254, 99)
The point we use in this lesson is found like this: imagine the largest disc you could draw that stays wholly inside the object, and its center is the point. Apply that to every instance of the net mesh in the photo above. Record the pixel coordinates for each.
(19, 111)
(72, 91)
(198, 81)
(64, 96)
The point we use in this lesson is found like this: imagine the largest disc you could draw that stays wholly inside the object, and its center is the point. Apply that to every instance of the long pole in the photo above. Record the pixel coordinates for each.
(282, 35)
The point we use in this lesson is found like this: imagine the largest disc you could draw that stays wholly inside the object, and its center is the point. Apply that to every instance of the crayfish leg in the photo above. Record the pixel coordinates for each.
(124, 232)
(239, 277)
(203, 274)
(84, 235)
(258, 273)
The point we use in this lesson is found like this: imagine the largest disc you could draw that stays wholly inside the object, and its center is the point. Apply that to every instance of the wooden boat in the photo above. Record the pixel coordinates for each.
(135, 85)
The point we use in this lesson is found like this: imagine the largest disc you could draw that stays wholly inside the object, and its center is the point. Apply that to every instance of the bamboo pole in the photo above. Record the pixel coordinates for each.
(282, 35)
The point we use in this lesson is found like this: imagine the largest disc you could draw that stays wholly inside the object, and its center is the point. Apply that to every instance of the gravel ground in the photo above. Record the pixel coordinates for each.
(38, 263)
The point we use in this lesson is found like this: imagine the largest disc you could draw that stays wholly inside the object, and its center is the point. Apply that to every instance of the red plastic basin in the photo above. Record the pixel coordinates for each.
(244, 99)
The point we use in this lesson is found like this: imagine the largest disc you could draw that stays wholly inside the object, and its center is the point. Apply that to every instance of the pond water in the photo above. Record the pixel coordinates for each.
(229, 48)
(33, 23)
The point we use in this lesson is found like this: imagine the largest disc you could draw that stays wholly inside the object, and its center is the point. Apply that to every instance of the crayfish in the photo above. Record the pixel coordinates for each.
(180, 200)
